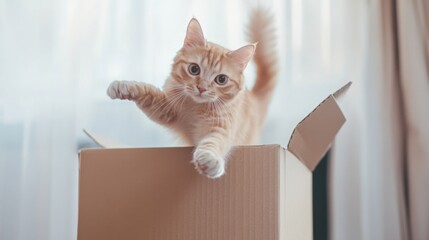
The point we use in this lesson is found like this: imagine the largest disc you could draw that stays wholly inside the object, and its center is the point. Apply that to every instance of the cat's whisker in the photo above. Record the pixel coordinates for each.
(160, 105)
(173, 102)
(220, 114)
(207, 112)
(217, 115)
(210, 113)
(182, 102)
(165, 104)
(210, 120)
(226, 109)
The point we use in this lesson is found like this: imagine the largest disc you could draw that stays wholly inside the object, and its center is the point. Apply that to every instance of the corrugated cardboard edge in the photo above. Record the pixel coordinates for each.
(312, 137)
(342, 91)
(102, 141)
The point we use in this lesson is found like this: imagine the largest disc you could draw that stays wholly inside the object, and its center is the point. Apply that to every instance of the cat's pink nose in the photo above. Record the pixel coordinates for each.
(201, 89)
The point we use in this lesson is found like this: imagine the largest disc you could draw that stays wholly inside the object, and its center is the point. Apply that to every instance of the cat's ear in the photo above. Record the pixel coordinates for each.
(194, 35)
(243, 55)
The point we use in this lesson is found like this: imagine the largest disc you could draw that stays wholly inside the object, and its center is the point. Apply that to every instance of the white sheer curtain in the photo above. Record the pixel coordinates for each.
(58, 57)
(380, 174)
(367, 188)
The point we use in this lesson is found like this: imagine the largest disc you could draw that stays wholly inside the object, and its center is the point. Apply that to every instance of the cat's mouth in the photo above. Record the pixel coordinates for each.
(200, 98)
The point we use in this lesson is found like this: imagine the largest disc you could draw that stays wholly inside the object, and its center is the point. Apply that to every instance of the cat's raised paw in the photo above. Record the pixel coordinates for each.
(123, 90)
(208, 163)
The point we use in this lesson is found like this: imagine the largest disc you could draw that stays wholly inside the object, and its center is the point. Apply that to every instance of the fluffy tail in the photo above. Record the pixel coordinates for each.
(262, 30)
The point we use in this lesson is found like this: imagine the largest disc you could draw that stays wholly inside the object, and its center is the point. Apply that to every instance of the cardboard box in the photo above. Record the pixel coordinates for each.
(155, 193)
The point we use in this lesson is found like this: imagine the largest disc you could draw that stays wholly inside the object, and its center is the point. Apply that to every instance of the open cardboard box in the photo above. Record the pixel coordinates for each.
(155, 193)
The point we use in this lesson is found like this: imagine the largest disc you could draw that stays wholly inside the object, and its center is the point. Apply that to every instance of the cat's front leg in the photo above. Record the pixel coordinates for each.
(152, 101)
(209, 155)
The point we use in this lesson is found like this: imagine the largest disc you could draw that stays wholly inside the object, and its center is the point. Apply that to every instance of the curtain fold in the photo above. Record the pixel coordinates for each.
(385, 143)
(413, 36)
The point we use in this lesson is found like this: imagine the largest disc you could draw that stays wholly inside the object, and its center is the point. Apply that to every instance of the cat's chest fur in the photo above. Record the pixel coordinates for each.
(198, 121)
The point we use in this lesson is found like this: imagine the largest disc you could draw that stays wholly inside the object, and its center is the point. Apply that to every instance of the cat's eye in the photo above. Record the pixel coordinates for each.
(221, 79)
(194, 69)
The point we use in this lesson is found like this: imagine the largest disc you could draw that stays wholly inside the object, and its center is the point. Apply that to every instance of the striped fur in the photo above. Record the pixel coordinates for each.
(204, 112)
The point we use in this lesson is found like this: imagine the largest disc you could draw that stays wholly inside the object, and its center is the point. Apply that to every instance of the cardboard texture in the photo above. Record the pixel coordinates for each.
(312, 137)
(155, 193)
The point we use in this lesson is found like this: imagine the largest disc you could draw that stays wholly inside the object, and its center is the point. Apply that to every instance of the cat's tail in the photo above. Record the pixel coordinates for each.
(262, 31)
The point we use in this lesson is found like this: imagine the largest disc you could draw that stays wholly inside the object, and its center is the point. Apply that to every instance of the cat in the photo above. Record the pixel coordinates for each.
(204, 100)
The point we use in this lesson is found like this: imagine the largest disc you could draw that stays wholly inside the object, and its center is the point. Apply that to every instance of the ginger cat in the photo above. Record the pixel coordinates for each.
(205, 100)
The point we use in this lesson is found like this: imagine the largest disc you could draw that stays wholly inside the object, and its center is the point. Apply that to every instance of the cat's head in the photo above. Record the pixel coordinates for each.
(207, 72)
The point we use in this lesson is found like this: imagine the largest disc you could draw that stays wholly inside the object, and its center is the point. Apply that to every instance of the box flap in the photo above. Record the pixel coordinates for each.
(102, 141)
(313, 136)
(340, 92)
